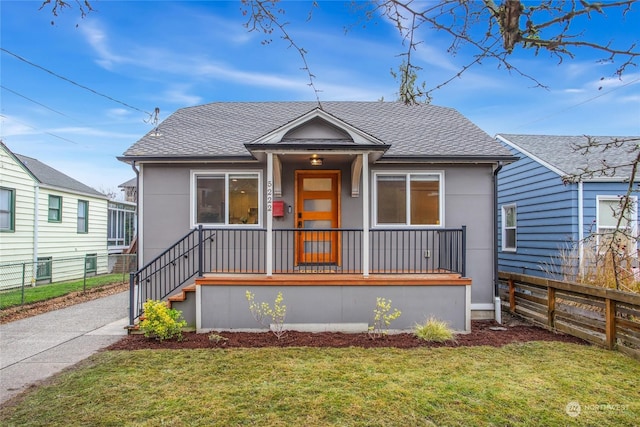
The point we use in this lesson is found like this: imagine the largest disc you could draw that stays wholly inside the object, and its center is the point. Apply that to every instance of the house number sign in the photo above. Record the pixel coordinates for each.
(269, 196)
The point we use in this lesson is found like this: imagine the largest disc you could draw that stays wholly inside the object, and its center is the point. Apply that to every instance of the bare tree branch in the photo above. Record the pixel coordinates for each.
(262, 16)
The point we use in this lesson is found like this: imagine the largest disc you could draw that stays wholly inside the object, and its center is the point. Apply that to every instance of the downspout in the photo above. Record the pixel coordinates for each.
(36, 197)
(137, 172)
(132, 286)
(580, 227)
(496, 301)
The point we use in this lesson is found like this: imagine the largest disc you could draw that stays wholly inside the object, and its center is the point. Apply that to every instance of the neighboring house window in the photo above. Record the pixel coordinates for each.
(7, 209)
(83, 216)
(608, 212)
(44, 269)
(509, 228)
(408, 198)
(55, 208)
(121, 224)
(225, 198)
(91, 263)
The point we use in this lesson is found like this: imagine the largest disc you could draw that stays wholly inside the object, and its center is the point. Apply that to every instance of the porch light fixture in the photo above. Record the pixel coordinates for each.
(315, 160)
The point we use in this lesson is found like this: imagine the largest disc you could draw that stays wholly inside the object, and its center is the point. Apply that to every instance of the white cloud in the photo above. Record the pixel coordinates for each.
(178, 95)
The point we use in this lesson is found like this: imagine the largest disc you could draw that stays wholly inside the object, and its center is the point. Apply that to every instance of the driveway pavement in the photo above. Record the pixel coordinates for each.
(35, 348)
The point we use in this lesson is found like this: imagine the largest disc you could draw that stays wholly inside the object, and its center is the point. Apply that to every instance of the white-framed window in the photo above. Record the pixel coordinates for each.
(83, 216)
(7, 209)
(55, 208)
(226, 198)
(509, 228)
(408, 198)
(608, 212)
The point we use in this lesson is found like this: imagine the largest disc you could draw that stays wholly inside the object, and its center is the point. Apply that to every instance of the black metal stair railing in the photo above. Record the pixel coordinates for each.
(243, 251)
(169, 271)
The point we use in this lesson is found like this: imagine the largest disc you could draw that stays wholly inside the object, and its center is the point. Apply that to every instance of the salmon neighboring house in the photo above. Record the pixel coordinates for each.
(333, 205)
(50, 223)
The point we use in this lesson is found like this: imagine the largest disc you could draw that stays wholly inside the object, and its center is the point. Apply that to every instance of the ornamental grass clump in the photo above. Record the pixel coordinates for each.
(161, 322)
(434, 330)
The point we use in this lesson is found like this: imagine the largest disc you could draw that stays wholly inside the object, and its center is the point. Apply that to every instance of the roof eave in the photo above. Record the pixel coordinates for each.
(447, 159)
(187, 159)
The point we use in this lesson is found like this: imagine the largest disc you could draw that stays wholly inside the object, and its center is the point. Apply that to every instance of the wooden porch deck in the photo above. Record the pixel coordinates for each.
(329, 279)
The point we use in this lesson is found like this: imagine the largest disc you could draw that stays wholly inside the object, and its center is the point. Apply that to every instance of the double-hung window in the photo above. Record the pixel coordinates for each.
(55, 208)
(83, 216)
(409, 198)
(509, 228)
(7, 209)
(613, 221)
(226, 198)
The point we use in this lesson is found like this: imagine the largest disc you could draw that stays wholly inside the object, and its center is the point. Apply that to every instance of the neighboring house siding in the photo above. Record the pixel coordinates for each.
(61, 240)
(17, 245)
(545, 212)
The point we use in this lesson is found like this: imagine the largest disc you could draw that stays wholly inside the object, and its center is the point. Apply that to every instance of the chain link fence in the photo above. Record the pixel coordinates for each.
(48, 270)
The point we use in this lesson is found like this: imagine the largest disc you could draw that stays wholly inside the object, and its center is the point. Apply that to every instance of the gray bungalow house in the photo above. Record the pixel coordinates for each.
(545, 223)
(333, 205)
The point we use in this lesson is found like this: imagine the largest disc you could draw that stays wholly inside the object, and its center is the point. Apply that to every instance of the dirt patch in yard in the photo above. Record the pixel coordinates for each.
(485, 332)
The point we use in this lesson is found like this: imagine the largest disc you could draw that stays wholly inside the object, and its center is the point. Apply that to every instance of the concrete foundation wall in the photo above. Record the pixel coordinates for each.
(226, 307)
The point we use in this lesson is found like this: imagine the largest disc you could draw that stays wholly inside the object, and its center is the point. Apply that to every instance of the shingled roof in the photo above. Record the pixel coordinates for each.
(51, 177)
(563, 154)
(221, 130)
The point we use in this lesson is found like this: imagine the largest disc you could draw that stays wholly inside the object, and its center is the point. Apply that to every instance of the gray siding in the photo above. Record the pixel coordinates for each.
(165, 198)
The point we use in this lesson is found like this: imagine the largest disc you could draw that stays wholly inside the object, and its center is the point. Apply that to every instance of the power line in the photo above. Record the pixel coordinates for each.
(75, 83)
(38, 103)
(43, 131)
(576, 105)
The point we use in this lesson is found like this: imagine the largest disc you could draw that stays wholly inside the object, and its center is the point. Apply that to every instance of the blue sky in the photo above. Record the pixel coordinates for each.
(141, 55)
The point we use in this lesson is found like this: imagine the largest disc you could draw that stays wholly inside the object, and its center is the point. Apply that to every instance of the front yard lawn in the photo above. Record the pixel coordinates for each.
(537, 383)
(15, 297)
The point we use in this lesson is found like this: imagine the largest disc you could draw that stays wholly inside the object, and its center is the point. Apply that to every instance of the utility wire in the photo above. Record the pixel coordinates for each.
(577, 105)
(43, 131)
(38, 103)
(75, 83)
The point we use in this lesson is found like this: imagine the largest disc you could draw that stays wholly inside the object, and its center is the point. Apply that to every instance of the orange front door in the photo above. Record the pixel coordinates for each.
(317, 213)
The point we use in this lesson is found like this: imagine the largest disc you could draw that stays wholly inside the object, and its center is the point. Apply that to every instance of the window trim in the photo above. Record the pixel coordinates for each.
(634, 222)
(12, 210)
(59, 210)
(506, 248)
(407, 174)
(86, 217)
(193, 196)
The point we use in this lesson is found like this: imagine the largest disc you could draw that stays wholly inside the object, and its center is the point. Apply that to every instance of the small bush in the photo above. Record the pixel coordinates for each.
(217, 338)
(382, 318)
(434, 330)
(161, 322)
(262, 311)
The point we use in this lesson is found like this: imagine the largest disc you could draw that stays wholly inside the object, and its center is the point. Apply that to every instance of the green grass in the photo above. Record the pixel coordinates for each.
(523, 384)
(13, 297)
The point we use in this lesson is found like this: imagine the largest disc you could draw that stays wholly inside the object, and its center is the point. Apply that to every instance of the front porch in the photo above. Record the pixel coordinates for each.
(207, 273)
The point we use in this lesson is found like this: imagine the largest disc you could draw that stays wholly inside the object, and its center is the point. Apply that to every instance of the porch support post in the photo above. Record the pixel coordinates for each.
(365, 214)
(270, 189)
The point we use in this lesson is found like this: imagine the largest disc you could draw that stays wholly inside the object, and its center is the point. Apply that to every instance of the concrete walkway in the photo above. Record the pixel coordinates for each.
(35, 348)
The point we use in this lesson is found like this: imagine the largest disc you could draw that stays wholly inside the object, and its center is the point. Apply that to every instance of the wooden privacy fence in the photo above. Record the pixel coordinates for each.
(601, 316)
